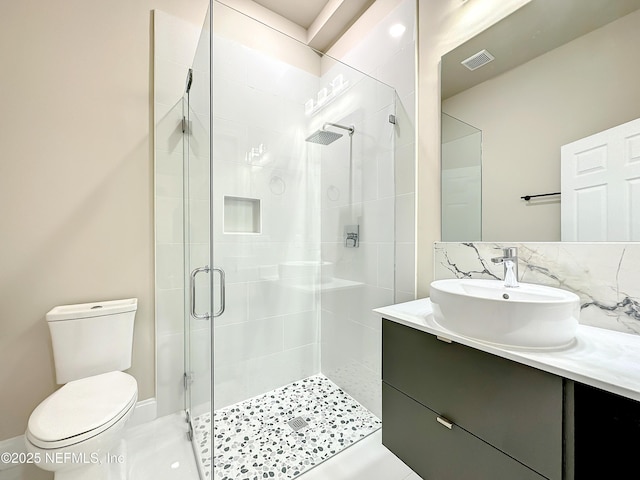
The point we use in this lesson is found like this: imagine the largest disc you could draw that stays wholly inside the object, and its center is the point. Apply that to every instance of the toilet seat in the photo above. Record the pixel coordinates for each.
(82, 409)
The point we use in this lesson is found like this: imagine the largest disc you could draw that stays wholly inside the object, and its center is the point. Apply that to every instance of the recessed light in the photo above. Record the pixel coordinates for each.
(397, 30)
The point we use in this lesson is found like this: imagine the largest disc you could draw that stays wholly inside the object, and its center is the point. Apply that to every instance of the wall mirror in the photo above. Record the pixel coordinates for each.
(553, 73)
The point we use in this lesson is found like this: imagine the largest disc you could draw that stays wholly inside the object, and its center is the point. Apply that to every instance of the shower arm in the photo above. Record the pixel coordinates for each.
(350, 129)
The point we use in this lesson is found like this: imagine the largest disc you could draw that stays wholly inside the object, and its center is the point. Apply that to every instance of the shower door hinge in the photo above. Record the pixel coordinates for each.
(186, 126)
(189, 426)
(190, 432)
(187, 87)
(392, 119)
(187, 379)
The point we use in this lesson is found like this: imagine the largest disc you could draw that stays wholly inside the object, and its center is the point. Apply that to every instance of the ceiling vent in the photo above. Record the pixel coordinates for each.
(478, 60)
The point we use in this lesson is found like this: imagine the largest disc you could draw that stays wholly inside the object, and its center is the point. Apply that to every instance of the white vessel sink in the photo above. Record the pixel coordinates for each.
(528, 316)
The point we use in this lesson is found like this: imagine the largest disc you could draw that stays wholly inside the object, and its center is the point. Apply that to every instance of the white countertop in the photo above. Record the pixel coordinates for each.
(601, 358)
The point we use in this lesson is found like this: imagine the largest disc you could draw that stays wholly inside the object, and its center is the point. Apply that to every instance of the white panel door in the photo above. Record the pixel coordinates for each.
(601, 186)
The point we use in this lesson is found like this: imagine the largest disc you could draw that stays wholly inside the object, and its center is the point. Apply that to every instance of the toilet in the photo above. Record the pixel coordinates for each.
(74, 430)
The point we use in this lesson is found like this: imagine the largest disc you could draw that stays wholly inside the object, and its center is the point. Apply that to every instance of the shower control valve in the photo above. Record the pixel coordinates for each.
(352, 236)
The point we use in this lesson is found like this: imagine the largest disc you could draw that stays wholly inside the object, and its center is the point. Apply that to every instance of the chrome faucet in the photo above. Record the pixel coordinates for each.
(509, 259)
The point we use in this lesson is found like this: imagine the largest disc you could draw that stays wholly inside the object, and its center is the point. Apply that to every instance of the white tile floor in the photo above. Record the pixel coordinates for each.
(159, 450)
(366, 460)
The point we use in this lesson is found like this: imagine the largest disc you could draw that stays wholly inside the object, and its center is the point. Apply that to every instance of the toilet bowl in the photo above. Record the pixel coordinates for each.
(75, 427)
(74, 430)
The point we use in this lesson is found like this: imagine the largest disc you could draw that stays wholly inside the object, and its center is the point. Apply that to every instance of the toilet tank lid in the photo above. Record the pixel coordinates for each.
(95, 309)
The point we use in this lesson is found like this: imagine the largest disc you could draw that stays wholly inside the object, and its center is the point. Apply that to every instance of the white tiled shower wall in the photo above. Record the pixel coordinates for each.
(357, 190)
(393, 60)
(268, 336)
(351, 334)
(308, 194)
(270, 333)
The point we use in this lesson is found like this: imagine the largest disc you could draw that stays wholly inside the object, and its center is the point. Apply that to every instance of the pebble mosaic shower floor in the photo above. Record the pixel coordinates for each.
(254, 441)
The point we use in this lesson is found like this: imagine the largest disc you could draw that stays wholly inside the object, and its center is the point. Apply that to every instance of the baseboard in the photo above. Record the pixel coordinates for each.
(13, 445)
(144, 411)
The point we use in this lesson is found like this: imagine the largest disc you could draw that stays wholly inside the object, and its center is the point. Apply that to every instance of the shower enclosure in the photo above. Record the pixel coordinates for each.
(287, 244)
(461, 180)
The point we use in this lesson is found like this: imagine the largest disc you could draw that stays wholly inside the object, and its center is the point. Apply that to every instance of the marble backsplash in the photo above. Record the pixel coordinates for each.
(606, 276)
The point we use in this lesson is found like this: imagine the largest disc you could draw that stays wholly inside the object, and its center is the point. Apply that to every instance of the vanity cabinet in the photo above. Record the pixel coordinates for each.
(605, 432)
(453, 412)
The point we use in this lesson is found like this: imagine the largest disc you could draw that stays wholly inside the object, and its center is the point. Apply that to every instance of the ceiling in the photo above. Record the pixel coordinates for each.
(324, 21)
(538, 27)
(302, 13)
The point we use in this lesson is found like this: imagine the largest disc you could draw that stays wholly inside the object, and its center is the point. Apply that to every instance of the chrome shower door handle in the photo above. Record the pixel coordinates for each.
(192, 286)
(222, 292)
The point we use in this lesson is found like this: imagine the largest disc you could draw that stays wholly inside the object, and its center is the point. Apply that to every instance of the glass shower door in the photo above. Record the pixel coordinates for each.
(198, 271)
(305, 232)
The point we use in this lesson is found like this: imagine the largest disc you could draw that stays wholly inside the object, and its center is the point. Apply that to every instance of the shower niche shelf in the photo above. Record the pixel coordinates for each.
(242, 215)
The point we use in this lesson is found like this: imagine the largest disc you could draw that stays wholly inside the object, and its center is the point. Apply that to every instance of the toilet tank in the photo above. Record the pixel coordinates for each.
(91, 338)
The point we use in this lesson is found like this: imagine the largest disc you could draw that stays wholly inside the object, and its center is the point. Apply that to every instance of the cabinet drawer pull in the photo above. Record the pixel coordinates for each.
(443, 339)
(445, 422)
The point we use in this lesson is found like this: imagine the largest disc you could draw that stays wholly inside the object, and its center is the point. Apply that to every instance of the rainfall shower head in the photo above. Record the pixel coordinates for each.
(325, 137)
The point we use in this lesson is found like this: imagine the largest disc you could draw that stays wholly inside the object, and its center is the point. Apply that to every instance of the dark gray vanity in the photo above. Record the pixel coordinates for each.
(451, 411)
